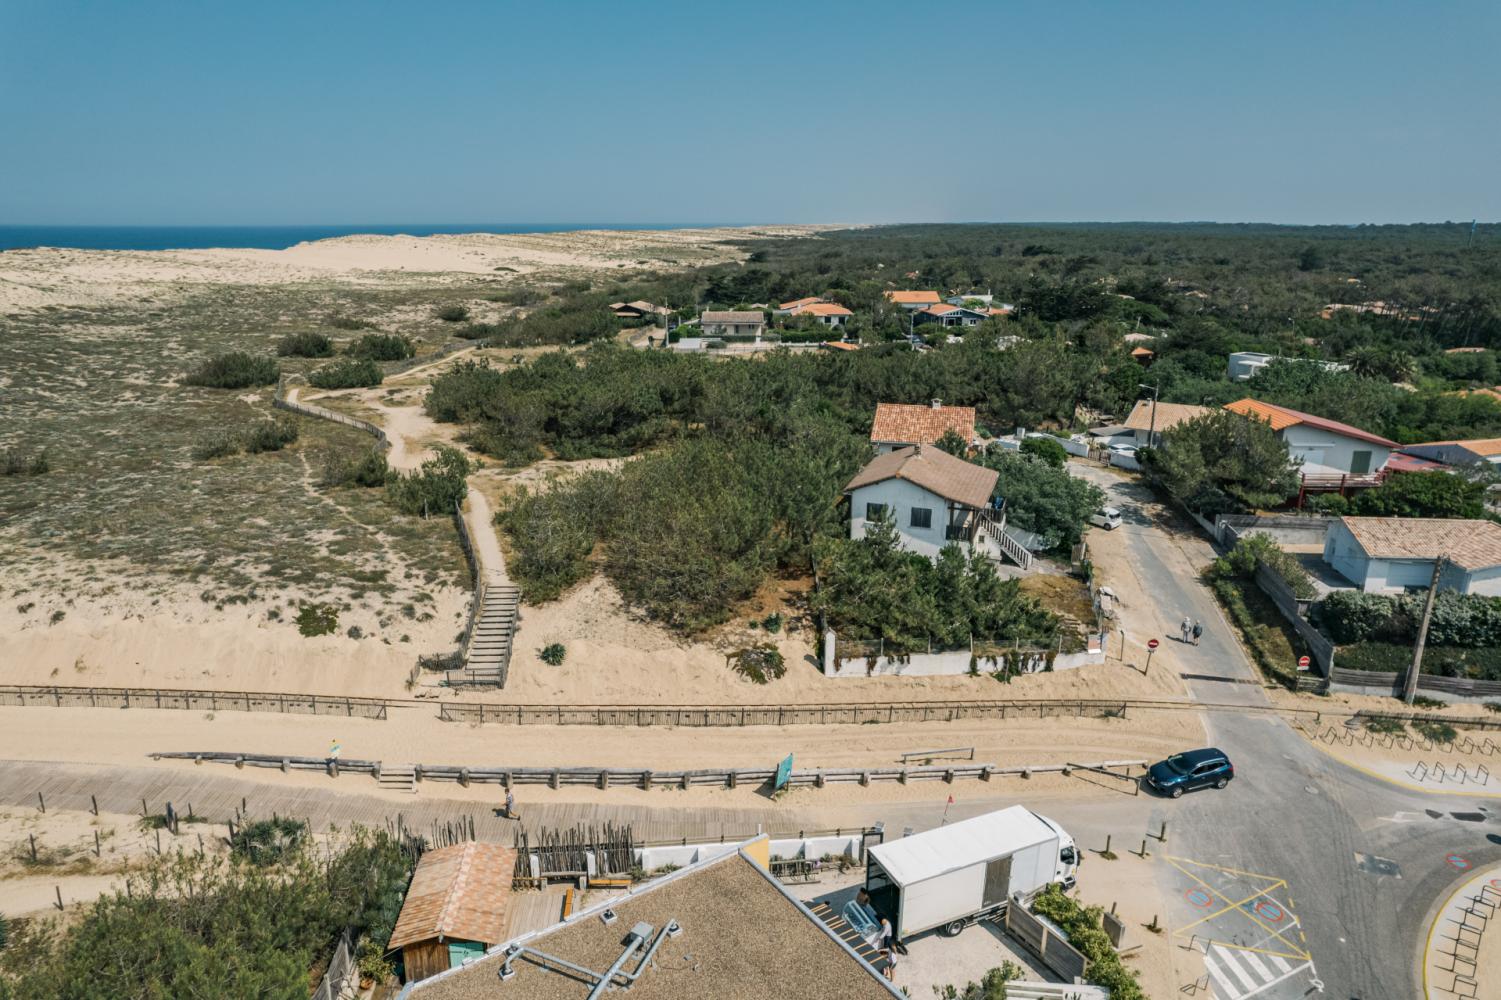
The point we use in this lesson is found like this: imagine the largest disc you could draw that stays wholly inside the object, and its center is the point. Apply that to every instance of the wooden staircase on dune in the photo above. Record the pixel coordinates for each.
(492, 630)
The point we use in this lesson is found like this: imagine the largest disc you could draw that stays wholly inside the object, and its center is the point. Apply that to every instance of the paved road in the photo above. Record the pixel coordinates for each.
(1293, 812)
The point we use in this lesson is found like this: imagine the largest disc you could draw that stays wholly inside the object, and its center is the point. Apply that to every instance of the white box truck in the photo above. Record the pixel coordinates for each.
(967, 871)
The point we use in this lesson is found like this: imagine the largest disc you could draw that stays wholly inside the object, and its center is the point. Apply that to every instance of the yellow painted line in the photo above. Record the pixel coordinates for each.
(1228, 907)
(1293, 952)
(1420, 789)
(1221, 868)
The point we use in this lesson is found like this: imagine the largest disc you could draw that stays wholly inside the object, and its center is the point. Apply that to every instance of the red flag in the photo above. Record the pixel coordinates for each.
(951, 800)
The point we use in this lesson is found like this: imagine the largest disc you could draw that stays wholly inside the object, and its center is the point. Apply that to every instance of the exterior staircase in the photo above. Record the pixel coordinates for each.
(487, 651)
(398, 777)
(998, 543)
(847, 933)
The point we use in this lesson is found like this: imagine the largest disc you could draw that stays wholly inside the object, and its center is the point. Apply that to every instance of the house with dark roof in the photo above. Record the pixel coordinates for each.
(949, 315)
(1475, 451)
(723, 928)
(638, 310)
(455, 907)
(933, 499)
(901, 425)
(1332, 454)
(733, 323)
(1394, 554)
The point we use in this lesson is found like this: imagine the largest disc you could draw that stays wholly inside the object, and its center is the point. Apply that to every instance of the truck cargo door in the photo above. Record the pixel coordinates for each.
(997, 880)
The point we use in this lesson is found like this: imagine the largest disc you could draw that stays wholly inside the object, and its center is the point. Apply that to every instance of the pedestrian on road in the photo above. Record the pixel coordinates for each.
(1198, 631)
(1185, 628)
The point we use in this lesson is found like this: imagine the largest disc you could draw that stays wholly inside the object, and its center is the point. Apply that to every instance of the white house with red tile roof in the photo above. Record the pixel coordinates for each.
(1325, 447)
(790, 308)
(827, 313)
(947, 315)
(900, 425)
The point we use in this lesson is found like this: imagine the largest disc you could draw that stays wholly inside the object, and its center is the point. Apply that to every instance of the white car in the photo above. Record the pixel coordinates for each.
(1109, 518)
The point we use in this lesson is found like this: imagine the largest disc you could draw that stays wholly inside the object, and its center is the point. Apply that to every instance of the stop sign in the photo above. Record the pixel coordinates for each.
(1303, 662)
(1151, 643)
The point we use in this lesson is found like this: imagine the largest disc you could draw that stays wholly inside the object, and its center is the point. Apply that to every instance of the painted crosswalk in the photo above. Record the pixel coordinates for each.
(1241, 972)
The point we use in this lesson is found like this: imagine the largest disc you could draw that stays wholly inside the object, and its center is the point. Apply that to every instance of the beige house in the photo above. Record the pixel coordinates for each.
(733, 323)
(1148, 425)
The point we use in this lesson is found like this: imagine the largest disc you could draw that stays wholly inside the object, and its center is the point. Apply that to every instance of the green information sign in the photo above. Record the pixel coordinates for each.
(784, 774)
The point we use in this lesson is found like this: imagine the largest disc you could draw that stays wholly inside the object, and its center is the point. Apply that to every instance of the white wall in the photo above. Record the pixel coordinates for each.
(1347, 558)
(900, 497)
(1399, 574)
(1327, 453)
(1485, 581)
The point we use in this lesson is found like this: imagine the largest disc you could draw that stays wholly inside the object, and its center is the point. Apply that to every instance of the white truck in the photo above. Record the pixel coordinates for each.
(964, 872)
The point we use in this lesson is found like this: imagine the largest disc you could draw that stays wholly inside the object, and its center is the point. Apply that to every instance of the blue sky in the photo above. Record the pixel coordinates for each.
(309, 112)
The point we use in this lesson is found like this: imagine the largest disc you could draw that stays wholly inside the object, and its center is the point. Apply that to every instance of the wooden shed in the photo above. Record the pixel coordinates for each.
(455, 908)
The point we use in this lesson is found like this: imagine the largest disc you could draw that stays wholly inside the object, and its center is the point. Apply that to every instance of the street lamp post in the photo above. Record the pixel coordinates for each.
(1152, 431)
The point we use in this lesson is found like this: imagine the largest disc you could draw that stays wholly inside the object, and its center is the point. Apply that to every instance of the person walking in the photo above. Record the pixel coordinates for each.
(511, 806)
(1184, 628)
(1198, 630)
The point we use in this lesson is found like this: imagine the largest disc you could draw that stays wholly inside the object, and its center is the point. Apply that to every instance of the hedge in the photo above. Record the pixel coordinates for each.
(1468, 621)
(1393, 658)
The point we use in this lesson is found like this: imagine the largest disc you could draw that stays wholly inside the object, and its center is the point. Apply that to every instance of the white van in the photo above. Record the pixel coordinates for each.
(1109, 518)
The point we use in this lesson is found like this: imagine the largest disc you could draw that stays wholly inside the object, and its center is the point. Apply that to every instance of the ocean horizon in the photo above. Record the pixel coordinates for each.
(273, 237)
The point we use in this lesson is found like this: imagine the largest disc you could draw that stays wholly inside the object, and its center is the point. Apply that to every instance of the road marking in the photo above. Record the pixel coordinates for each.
(1223, 962)
(1288, 950)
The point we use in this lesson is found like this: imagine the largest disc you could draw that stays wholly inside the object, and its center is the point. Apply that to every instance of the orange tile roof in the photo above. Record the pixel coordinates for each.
(1484, 447)
(458, 893)
(942, 309)
(936, 471)
(1469, 544)
(825, 309)
(839, 345)
(798, 303)
(914, 298)
(1465, 350)
(1281, 418)
(904, 423)
(1141, 352)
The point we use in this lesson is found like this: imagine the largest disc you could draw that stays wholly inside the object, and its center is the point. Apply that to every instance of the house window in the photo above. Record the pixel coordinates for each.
(1360, 462)
(875, 511)
(922, 517)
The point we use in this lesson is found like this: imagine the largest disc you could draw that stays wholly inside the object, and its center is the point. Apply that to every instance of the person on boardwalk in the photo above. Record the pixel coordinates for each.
(511, 806)
(1185, 628)
(1198, 630)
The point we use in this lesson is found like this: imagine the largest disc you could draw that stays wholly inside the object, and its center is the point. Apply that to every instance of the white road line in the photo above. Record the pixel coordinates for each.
(1261, 970)
(1234, 966)
(1306, 965)
(1230, 992)
(1280, 963)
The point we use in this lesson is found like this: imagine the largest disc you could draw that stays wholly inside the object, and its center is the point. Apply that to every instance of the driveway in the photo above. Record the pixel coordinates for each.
(1360, 861)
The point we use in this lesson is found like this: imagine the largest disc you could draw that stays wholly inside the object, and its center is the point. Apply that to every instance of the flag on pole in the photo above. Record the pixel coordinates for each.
(334, 749)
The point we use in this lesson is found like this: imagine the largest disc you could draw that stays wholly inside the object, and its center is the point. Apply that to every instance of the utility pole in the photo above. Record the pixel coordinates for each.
(1417, 651)
(1152, 432)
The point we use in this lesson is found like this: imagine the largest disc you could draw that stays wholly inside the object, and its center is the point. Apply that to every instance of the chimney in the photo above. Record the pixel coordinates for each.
(937, 404)
(917, 448)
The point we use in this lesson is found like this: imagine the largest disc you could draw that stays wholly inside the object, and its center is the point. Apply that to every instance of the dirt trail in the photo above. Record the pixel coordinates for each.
(487, 553)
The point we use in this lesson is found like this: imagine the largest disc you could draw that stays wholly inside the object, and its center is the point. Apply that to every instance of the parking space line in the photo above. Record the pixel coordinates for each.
(1230, 992)
(1229, 961)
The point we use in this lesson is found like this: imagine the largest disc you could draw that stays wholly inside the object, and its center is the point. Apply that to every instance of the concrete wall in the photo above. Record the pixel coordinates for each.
(945, 664)
(1482, 581)
(1347, 557)
(1326, 453)
(652, 858)
(1124, 461)
(900, 497)
(1284, 529)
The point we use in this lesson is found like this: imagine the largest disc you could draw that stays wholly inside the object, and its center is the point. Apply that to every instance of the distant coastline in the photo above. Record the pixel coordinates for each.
(270, 237)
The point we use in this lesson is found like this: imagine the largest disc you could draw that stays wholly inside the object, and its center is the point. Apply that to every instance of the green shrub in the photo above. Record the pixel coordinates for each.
(452, 313)
(235, 370)
(305, 345)
(1259, 549)
(339, 322)
(1348, 616)
(476, 331)
(518, 295)
(1493, 706)
(554, 533)
(1084, 927)
(270, 435)
(1386, 727)
(370, 470)
(318, 619)
(1423, 701)
(1459, 620)
(218, 445)
(1274, 645)
(15, 462)
(1439, 661)
(1047, 449)
(436, 488)
(347, 373)
(1332, 504)
(268, 841)
(761, 663)
(1436, 732)
(772, 622)
(552, 654)
(382, 347)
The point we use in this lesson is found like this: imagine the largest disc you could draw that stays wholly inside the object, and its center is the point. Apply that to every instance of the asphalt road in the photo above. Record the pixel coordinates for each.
(1295, 813)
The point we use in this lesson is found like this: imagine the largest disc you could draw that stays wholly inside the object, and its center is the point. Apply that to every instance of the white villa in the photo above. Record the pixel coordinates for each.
(1329, 450)
(933, 499)
(1393, 554)
(733, 323)
(1243, 366)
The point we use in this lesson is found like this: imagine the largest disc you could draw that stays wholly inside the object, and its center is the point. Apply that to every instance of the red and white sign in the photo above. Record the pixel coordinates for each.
(1303, 662)
(1151, 643)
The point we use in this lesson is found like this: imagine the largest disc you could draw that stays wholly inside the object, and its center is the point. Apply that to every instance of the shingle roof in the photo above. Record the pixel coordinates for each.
(458, 892)
(734, 316)
(936, 471)
(905, 423)
(1169, 415)
(1281, 418)
(742, 938)
(914, 298)
(1468, 544)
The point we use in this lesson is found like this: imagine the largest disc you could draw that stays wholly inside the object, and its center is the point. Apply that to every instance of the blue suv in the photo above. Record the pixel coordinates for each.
(1183, 772)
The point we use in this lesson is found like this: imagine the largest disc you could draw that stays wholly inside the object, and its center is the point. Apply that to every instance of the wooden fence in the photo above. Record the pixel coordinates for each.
(1391, 683)
(195, 701)
(606, 777)
(1047, 944)
(281, 402)
(340, 969)
(787, 715)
